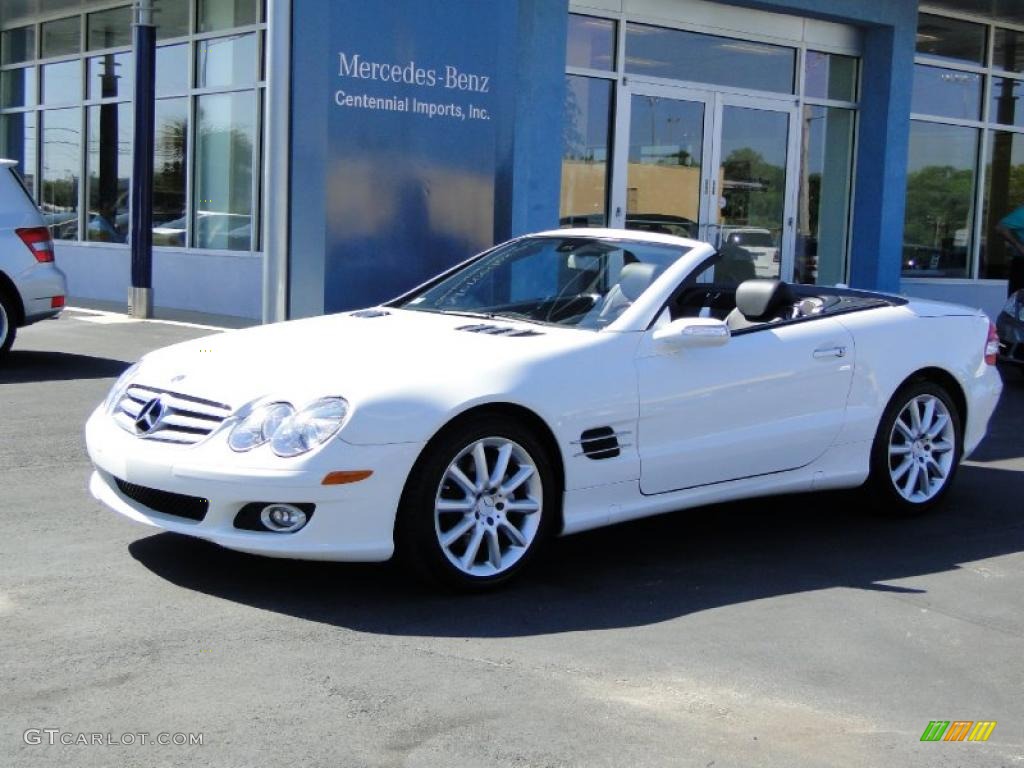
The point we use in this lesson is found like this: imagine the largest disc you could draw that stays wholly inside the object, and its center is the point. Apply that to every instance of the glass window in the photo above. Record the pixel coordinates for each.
(946, 92)
(680, 55)
(61, 37)
(666, 146)
(108, 170)
(171, 18)
(223, 201)
(591, 42)
(18, 87)
(18, 142)
(830, 76)
(17, 45)
(111, 76)
(62, 159)
(941, 175)
(225, 61)
(950, 39)
(171, 69)
(585, 153)
(62, 82)
(823, 214)
(109, 29)
(170, 163)
(225, 14)
(1008, 52)
(1004, 194)
(1006, 107)
(752, 173)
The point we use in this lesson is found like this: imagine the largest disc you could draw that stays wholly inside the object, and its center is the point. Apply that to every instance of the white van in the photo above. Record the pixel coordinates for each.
(31, 286)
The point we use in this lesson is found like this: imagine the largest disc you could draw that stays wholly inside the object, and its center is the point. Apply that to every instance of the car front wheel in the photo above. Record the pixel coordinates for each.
(480, 503)
(917, 449)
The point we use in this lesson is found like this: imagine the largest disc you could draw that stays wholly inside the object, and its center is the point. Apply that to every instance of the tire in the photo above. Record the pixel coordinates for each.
(8, 324)
(914, 459)
(453, 532)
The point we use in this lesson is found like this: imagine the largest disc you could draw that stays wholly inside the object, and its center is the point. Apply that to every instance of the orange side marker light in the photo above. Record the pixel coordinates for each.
(343, 477)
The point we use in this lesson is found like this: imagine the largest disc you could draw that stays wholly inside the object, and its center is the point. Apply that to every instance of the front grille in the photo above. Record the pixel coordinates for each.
(184, 419)
(177, 504)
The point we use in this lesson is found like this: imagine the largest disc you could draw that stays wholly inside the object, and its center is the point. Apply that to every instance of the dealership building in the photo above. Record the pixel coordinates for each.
(318, 155)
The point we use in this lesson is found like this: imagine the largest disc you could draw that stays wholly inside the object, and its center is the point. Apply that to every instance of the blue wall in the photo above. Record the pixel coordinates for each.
(385, 194)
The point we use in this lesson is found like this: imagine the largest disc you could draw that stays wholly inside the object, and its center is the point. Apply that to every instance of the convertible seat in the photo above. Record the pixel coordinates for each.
(634, 279)
(759, 302)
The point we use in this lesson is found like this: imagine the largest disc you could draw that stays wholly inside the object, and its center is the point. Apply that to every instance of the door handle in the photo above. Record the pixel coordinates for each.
(826, 352)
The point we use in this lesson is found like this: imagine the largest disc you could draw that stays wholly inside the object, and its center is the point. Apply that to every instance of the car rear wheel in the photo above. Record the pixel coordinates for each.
(8, 328)
(479, 505)
(917, 449)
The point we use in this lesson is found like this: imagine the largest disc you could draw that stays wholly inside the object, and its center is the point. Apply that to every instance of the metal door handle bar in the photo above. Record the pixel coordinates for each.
(825, 352)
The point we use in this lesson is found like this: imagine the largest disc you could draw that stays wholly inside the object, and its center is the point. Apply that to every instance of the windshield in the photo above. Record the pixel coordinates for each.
(580, 282)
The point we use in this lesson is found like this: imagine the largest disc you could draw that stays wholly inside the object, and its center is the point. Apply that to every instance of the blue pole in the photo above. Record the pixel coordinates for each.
(140, 298)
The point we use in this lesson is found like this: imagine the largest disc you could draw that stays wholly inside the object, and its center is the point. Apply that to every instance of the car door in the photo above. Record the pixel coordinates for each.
(771, 399)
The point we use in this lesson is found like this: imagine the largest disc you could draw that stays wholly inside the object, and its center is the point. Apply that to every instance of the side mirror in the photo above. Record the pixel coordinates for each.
(693, 332)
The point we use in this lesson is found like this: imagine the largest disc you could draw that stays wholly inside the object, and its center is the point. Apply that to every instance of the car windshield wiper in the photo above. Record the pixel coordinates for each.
(498, 315)
(464, 313)
(520, 316)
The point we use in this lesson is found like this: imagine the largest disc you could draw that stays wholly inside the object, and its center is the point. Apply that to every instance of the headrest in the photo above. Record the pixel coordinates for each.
(761, 300)
(635, 278)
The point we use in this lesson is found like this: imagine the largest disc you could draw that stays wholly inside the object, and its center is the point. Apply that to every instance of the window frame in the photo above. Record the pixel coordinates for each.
(257, 86)
(986, 125)
(619, 78)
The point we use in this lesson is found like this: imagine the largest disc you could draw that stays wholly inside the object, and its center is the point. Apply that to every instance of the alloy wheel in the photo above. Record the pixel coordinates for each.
(488, 507)
(921, 448)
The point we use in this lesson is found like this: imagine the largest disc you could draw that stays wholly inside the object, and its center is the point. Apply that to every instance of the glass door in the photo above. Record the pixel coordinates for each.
(753, 188)
(662, 156)
(712, 166)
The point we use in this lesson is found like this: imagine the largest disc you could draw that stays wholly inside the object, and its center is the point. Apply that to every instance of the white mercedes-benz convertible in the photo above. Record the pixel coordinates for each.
(557, 382)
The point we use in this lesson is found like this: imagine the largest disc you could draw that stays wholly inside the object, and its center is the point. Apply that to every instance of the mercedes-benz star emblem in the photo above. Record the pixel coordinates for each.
(149, 417)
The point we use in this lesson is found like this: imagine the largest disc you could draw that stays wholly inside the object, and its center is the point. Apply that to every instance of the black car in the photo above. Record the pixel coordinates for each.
(1010, 327)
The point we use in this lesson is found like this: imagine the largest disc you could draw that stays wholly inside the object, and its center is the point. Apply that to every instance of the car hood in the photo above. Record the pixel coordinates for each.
(360, 356)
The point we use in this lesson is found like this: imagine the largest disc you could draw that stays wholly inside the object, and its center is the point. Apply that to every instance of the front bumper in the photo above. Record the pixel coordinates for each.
(352, 522)
(38, 285)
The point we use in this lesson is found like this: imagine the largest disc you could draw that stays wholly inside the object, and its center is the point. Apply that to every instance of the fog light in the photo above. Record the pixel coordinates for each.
(283, 518)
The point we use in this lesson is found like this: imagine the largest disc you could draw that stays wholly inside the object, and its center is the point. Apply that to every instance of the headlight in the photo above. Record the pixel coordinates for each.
(312, 426)
(117, 391)
(259, 426)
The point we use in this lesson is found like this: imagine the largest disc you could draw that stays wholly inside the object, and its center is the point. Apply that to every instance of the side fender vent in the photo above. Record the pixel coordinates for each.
(600, 443)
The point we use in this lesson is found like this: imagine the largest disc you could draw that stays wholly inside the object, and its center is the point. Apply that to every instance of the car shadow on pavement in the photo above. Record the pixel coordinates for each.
(30, 366)
(634, 574)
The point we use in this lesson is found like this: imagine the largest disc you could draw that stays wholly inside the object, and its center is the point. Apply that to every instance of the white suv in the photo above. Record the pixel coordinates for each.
(31, 286)
(759, 243)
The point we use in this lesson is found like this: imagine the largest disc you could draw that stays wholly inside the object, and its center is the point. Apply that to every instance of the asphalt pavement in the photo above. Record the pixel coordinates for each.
(796, 631)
